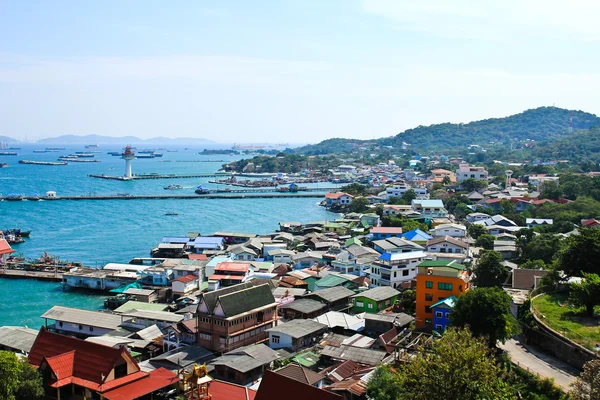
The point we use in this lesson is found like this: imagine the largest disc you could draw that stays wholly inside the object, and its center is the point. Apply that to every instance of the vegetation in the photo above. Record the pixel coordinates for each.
(18, 379)
(587, 385)
(407, 224)
(587, 293)
(456, 367)
(581, 253)
(489, 271)
(355, 189)
(408, 301)
(476, 230)
(282, 162)
(486, 312)
(486, 241)
(359, 205)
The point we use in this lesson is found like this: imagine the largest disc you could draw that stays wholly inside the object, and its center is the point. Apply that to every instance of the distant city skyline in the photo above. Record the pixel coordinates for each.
(288, 71)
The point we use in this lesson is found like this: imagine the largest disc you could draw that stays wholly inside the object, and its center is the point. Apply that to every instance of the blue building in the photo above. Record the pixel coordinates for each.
(441, 313)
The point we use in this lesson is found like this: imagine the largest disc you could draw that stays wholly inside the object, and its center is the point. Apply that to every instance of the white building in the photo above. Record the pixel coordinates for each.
(393, 269)
(454, 230)
(184, 285)
(399, 189)
(81, 322)
(465, 171)
(296, 334)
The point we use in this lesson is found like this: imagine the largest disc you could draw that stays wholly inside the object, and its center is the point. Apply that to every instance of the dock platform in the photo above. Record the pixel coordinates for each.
(158, 176)
(39, 275)
(226, 195)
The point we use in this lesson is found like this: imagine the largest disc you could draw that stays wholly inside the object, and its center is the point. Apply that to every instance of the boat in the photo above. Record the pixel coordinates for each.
(202, 190)
(42, 162)
(157, 154)
(171, 213)
(92, 146)
(8, 153)
(40, 151)
(12, 239)
(173, 187)
(72, 158)
(55, 148)
(83, 154)
(114, 153)
(3, 165)
(34, 197)
(145, 155)
(16, 232)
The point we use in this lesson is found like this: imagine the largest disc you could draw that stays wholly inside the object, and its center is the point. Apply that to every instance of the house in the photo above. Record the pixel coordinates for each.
(376, 324)
(281, 256)
(301, 374)
(437, 280)
(207, 243)
(140, 319)
(441, 313)
(399, 189)
(337, 227)
(496, 220)
(590, 223)
(338, 200)
(521, 278)
(393, 210)
(235, 316)
(333, 279)
(245, 364)
(381, 232)
(465, 171)
(429, 208)
(82, 323)
(306, 259)
(157, 276)
(296, 334)
(341, 322)
(447, 244)
(396, 245)
(235, 237)
(274, 385)
(142, 295)
(336, 298)
(375, 300)
(72, 367)
(396, 269)
(369, 219)
(303, 308)
(533, 222)
(475, 196)
(219, 390)
(438, 175)
(17, 339)
(229, 273)
(454, 230)
(184, 285)
(476, 216)
(239, 252)
(332, 354)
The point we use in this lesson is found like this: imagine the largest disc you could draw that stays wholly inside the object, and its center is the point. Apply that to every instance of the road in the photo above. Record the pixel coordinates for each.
(535, 361)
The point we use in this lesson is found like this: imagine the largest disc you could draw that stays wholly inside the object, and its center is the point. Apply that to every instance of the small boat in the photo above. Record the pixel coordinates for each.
(202, 190)
(171, 213)
(92, 146)
(3, 165)
(173, 187)
(8, 153)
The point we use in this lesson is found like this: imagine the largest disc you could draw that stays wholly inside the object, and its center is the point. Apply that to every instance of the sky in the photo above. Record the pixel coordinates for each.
(294, 71)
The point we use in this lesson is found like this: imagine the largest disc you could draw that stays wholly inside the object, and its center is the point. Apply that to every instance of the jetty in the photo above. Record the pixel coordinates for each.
(54, 276)
(158, 176)
(249, 194)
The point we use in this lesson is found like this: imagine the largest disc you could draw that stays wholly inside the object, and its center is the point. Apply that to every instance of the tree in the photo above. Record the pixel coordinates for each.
(457, 366)
(543, 247)
(355, 189)
(587, 385)
(473, 184)
(489, 270)
(409, 196)
(533, 264)
(587, 293)
(408, 300)
(9, 375)
(476, 230)
(486, 312)
(581, 253)
(359, 205)
(550, 190)
(446, 181)
(485, 241)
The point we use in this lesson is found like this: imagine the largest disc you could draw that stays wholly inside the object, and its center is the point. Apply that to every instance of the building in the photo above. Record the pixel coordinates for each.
(400, 189)
(381, 232)
(184, 285)
(430, 208)
(338, 199)
(465, 171)
(274, 385)
(336, 298)
(303, 309)
(447, 244)
(375, 300)
(376, 324)
(235, 316)
(17, 339)
(74, 368)
(229, 274)
(533, 222)
(244, 365)
(141, 319)
(441, 313)
(207, 243)
(438, 280)
(396, 269)
(454, 230)
(296, 334)
(396, 245)
(302, 374)
(82, 323)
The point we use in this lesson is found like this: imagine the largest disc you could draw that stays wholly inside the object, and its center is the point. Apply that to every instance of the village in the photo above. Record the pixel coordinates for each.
(313, 307)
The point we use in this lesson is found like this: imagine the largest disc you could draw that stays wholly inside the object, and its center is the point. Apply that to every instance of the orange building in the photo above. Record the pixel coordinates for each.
(437, 280)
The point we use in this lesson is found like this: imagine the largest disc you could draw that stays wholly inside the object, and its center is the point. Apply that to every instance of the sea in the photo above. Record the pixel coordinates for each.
(96, 232)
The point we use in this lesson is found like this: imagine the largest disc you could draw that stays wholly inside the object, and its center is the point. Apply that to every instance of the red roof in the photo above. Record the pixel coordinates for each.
(386, 230)
(274, 386)
(62, 365)
(589, 222)
(157, 379)
(197, 257)
(228, 391)
(232, 267)
(336, 195)
(5, 247)
(218, 277)
(186, 279)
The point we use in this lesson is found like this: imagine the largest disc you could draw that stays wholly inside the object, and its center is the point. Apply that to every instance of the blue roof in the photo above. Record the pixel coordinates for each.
(217, 260)
(430, 203)
(448, 302)
(417, 234)
(208, 242)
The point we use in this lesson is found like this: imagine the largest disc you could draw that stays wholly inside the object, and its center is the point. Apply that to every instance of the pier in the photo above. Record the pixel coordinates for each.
(158, 176)
(243, 194)
(23, 274)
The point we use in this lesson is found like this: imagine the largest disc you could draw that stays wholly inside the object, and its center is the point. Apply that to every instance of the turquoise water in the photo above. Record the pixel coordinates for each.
(97, 232)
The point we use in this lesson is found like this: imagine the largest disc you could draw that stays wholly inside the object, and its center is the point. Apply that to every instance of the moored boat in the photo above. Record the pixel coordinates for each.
(173, 187)
(202, 190)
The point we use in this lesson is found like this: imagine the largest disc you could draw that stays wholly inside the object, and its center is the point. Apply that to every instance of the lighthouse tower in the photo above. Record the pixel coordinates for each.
(128, 155)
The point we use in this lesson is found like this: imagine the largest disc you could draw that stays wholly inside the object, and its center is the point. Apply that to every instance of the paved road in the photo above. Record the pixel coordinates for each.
(529, 358)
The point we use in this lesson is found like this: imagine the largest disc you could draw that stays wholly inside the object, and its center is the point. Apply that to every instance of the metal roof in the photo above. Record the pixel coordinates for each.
(140, 305)
(154, 315)
(298, 328)
(84, 317)
(142, 292)
(247, 358)
(346, 321)
(356, 354)
(304, 306)
(379, 293)
(150, 333)
(17, 338)
(333, 293)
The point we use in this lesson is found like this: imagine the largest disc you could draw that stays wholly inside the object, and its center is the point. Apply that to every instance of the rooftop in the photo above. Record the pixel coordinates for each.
(18, 338)
(84, 317)
(379, 293)
(300, 374)
(333, 293)
(357, 354)
(304, 306)
(298, 328)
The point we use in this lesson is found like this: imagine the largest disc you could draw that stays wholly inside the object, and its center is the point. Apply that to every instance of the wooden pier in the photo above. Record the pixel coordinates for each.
(158, 176)
(38, 275)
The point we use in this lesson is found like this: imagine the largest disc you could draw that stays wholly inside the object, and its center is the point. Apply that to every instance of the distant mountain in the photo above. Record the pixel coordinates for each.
(539, 124)
(581, 146)
(111, 140)
(9, 140)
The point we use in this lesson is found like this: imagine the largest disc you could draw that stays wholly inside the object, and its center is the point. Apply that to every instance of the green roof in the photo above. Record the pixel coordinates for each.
(311, 280)
(442, 264)
(307, 359)
(352, 241)
(332, 280)
(140, 305)
(246, 300)
(334, 225)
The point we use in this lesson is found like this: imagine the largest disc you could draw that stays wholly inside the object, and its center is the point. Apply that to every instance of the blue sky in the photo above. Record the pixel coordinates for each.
(288, 71)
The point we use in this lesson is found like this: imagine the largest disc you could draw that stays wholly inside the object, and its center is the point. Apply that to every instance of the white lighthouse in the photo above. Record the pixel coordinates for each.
(128, 155)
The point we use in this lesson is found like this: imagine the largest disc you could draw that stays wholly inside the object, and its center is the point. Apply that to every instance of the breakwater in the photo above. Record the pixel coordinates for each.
(157, 176)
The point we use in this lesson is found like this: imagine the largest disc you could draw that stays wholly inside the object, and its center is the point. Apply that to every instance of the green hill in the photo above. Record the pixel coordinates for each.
(540, 124)
(579, 147)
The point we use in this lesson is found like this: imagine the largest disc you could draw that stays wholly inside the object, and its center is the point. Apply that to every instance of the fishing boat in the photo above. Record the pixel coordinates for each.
(14, 197)
(171, 213)
(173, 187)
(17, 232)
(42, 162)
(3, 165)
(114, 153)
(92, 146)
(202, 190)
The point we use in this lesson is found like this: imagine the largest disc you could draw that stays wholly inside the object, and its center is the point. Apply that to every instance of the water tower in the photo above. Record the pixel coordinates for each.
(128, 155)
(508, 174)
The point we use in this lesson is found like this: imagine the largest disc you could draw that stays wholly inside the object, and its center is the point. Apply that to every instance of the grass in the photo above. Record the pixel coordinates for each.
(555, 311)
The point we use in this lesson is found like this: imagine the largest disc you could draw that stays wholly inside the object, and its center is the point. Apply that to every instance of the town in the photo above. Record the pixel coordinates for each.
(328, 308)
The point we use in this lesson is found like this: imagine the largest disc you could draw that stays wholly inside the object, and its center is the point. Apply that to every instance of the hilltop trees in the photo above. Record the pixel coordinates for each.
(486, 312)
(489, 270)
(18, 379)
(581, 253)
(587, 293)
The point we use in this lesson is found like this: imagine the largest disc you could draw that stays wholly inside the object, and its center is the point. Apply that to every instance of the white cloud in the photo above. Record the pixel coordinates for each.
(493, 19)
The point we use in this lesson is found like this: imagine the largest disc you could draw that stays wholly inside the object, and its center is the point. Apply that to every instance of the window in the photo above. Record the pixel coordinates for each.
(274, 339)
(120, 370)
(429, 284)
(60, 323)
(80, 327)
(427, 321)
(360, 304)
(439, 328)
(91, 329)
(370, 305)
(447, 315)
(439, 314)
(444, 286)
(427, 310)
(405, 272)
(428, 297)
